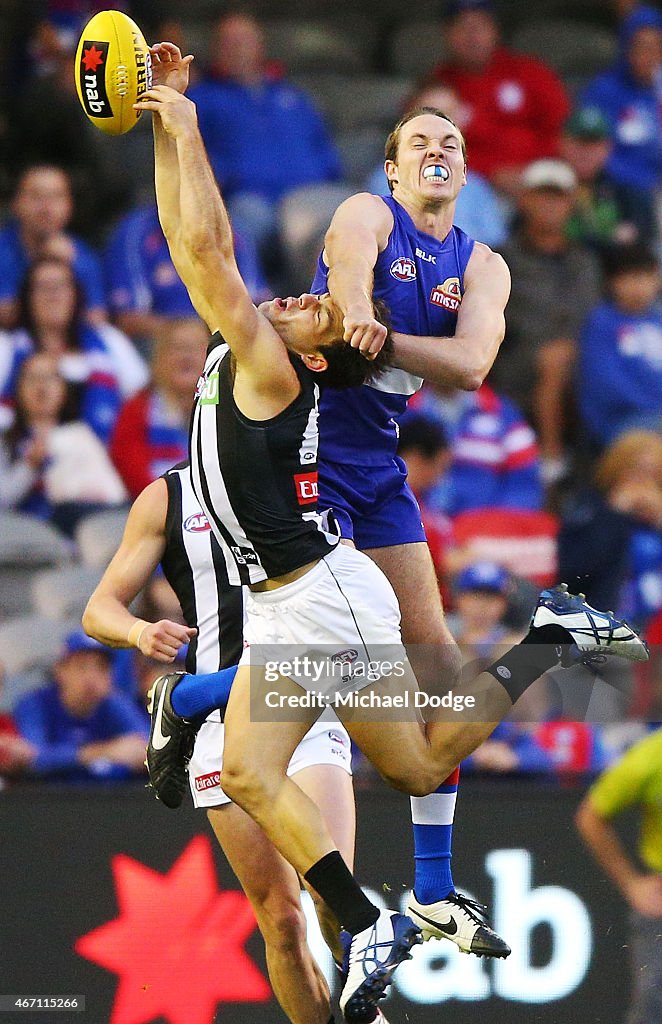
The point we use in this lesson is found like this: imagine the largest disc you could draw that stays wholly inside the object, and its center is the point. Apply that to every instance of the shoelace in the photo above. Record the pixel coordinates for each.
(476, 911)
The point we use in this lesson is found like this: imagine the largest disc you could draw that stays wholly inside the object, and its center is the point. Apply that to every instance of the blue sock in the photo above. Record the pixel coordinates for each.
(196, 696)
(432, 818)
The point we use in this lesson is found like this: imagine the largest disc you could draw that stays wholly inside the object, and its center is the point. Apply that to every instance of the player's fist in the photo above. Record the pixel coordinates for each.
(162, 640)
(169, 67)
(365, 333)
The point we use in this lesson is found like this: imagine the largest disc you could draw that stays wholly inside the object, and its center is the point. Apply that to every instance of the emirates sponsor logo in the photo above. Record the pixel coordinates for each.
(306, 488)
(210, 781)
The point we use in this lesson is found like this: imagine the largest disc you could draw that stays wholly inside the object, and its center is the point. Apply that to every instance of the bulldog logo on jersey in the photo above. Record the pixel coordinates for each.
(447, 295)
(403, 269)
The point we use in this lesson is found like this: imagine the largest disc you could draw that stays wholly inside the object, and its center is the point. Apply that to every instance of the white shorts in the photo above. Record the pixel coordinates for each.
(343, 615)
(326, 743)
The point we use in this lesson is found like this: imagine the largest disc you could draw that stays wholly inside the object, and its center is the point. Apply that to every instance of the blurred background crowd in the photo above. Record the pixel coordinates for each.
(551, 470)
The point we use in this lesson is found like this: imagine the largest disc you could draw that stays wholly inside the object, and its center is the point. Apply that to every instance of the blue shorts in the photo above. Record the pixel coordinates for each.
(374, 505)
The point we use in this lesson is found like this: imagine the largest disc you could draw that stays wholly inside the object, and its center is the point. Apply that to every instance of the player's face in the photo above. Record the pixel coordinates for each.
(430, 166)
(305, 323)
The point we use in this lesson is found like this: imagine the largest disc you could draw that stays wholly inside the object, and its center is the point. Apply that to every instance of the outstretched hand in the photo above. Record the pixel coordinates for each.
(178, 115)
(169, 67)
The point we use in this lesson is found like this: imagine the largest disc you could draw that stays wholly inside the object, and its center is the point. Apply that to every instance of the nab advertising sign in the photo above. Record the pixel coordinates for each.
(108, 895)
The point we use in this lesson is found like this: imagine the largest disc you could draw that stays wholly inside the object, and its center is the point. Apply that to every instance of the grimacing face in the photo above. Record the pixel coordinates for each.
(428, 142)
(305, 323)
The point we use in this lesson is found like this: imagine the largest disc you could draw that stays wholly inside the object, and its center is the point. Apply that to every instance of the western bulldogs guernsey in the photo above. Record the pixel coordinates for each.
(421, 280)
(195, 567)
(256, 480)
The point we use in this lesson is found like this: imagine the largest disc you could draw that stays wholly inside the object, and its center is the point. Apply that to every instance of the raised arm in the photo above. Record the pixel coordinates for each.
(358, 232)
(199, 236)
(107, 617)
(464, 360)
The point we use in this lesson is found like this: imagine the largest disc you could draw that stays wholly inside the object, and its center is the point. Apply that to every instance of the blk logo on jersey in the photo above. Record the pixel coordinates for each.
(403, 269)
(306, 488)
(197, 523)
(92, 72)
(447, 295)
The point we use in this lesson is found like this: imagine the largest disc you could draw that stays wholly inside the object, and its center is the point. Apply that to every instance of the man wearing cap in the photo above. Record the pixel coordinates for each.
(513, 106)
(586, 145)
(555, 283)
(79, 727)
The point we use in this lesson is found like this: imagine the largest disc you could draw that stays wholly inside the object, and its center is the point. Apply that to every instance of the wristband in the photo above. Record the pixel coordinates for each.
(136, 631)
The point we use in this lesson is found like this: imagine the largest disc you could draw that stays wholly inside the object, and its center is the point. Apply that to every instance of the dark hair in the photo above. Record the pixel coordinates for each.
(20, 427)
(347, 367)
(393, 141)
(421, 432)
(25, 316)
(627, 259)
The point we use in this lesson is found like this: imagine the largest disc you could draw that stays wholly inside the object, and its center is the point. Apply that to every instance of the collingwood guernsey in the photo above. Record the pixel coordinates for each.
(256, 480)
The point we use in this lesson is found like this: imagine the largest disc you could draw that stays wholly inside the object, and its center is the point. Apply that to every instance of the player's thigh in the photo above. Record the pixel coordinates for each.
(330, 787)
(255, 742)
(411, 573)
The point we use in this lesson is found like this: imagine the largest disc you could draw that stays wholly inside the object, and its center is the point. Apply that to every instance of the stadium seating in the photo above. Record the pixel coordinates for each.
(26, 544)
(98, 537)
(304, 217)
(572, 48)
(63, 593)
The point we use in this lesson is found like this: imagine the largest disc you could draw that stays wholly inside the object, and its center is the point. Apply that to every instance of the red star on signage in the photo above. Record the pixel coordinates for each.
(178, 943)
(92, 58)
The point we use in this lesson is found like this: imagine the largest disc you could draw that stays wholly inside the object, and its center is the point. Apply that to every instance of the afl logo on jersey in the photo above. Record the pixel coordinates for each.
(197, 523)
(447, 295)
(403, 269)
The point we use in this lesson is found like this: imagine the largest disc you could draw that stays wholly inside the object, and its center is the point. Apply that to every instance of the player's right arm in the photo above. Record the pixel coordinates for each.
(107, 617)
(199, 235)
(358, 232)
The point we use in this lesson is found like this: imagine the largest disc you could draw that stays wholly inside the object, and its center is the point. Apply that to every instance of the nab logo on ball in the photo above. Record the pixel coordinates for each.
(447, 295)
(197, 523)
(403, 269)
(92, 72)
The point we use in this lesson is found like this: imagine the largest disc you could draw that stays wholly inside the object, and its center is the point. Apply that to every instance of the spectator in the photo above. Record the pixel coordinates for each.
(513, 107)
(81, 729)
(264, 136)
(42, 209)
(611, 533)
(478, 211)
(619, 371)
(99, 361)
(628, 95)
(555, 282)
(151, 433)
(481, 593)
(586, 145)
(494, 453)
(635, 780)
(423, 446)
(143, 286)
(52, 465)
(16, 754)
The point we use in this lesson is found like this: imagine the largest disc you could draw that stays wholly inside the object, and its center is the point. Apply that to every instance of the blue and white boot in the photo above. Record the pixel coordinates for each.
(595, 634)
(370, 959)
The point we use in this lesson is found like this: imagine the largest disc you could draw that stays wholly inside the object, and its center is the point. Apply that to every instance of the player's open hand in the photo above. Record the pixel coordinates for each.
(364, 333)
(178, 115)
(162, 640)
(169, 67)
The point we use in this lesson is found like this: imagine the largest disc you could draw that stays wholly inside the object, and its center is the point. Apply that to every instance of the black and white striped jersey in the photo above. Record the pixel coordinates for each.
(256, 480)
(196, 569)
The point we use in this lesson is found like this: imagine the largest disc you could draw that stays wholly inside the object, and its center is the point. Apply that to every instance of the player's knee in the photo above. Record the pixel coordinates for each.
(242, 784)
(413, 779)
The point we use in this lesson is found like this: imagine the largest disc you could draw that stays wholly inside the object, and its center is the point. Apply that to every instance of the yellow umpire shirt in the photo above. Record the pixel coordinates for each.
(636, 779)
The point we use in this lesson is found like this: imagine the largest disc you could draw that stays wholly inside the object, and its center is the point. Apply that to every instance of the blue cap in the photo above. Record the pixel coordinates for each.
(455, 7)
(80, 641)
(484, 576)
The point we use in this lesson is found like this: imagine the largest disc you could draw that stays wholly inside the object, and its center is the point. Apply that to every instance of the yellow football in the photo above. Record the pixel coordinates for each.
(113, 68)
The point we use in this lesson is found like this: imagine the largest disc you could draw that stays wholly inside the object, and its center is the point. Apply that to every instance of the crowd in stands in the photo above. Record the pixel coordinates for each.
(552, 469)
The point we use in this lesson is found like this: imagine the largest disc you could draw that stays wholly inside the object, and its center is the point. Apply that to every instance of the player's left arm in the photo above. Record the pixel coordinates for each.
(107, 617)
(464, 360)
